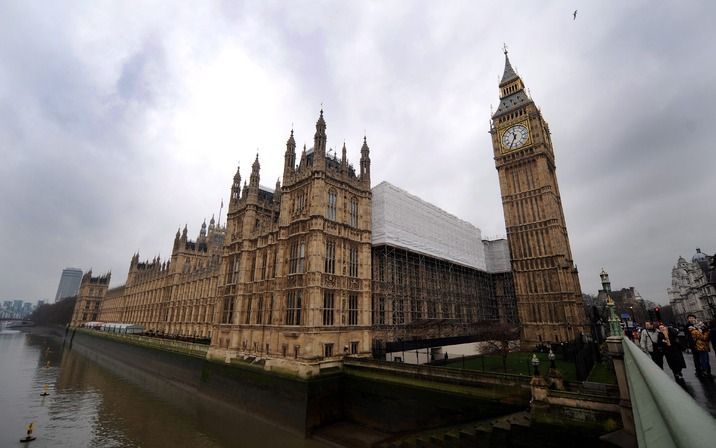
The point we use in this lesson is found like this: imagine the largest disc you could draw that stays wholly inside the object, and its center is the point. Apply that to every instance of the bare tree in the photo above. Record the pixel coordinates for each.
(500, 337)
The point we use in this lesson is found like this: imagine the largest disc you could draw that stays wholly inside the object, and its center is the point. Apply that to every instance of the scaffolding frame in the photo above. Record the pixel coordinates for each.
(415, 296)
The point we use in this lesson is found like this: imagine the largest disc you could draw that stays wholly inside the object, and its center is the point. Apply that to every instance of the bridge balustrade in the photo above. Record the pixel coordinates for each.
(664, 414)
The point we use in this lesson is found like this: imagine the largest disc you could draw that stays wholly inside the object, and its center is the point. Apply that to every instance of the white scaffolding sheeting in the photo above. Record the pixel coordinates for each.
(406, 221)
(497, 255)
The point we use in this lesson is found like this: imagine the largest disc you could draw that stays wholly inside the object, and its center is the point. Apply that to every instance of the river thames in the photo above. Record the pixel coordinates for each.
(90, 406)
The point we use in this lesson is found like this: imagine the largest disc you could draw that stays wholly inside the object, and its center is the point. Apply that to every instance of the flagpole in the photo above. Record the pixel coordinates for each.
(220, 209)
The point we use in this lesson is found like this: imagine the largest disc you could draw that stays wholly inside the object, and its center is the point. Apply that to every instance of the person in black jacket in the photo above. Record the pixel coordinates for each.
(669, 346)
(648, 343)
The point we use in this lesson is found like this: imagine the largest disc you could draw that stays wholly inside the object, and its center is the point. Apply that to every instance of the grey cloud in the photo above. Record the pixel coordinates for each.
(90, 174)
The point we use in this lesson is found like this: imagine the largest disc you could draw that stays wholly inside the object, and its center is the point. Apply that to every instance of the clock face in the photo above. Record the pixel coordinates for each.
(515, 137)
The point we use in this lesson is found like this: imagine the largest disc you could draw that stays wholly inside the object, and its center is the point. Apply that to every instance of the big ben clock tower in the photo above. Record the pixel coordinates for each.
(549, 298)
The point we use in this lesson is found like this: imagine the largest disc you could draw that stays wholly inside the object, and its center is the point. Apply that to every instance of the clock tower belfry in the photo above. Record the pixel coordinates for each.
(549, 298)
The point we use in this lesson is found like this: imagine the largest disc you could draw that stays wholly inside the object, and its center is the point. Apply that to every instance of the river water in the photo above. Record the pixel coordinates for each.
(90, 406)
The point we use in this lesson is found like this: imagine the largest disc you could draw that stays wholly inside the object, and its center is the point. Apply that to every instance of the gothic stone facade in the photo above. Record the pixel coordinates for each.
(693, 287)
(172, 298)
(89, 298)
(296, 277)
(549, 298)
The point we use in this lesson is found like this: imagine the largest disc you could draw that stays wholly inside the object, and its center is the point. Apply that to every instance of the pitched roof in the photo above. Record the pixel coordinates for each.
(509, 73)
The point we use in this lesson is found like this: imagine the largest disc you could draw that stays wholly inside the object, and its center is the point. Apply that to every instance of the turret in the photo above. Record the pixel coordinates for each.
(202, 232)
(235, 189)
(302, 164)
(132, 263)
(319, 143)
(184, 236)
(606, 285)
(344, 158)
(254, 178)
(253, 191)
(365, 162)
(289, 164)
(176, 239)
(277, 192)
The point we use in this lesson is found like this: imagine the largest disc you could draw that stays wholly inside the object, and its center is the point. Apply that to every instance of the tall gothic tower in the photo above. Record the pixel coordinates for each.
(549, 298)
(296, 282)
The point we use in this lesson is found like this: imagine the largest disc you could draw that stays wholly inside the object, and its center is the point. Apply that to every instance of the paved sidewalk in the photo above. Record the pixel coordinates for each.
(703, 390)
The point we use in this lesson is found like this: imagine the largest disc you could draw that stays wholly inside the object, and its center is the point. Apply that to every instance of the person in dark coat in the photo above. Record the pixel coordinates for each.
(669, 346)
(691, 344)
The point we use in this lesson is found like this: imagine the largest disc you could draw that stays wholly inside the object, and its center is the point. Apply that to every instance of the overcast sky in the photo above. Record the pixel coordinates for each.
(121, 121)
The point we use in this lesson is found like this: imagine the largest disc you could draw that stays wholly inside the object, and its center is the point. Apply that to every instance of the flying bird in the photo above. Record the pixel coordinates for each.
(574, 15)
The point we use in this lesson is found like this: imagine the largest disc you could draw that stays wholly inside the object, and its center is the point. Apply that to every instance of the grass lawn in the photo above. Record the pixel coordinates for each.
(602, 374)
(517, 363)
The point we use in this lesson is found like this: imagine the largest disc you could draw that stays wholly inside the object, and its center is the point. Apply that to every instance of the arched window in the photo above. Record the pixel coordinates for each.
(331, 212)
(330, 261)
(297, 257)
(353, 213)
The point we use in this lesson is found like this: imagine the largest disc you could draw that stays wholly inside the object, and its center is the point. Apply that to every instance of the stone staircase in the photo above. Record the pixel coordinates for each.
(500, 432)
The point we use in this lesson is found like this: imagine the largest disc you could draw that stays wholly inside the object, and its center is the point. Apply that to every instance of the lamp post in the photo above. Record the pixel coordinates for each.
(535, 364)
(633, 320)
(614, 328)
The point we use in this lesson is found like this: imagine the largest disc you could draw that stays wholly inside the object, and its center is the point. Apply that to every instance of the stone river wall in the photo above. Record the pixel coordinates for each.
(389, 398)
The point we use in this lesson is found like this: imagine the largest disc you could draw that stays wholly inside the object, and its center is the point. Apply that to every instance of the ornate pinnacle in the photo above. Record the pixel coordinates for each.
(614, 328)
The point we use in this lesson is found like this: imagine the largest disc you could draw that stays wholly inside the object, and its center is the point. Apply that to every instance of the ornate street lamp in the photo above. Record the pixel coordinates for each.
(535, 364)
(633, 320)
(614, 327)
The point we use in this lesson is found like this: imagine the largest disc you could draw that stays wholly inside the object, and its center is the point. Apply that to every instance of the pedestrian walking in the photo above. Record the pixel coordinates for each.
(648, 343)
(672, 351)
(712, 331)
(690, 343)
(701, 336)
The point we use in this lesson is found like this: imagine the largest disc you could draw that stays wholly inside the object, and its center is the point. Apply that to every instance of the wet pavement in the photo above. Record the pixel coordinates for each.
(703, 390)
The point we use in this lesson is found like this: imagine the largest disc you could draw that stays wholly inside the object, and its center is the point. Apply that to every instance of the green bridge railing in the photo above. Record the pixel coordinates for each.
(664, 414)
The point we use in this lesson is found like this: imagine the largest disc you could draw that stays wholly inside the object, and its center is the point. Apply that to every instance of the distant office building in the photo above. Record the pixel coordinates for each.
(69, 283)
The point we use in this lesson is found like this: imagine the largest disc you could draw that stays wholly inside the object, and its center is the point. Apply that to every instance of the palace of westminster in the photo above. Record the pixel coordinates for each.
(324, 265)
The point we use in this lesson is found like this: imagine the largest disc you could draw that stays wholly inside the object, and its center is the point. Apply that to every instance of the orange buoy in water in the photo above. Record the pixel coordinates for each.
(29, 437)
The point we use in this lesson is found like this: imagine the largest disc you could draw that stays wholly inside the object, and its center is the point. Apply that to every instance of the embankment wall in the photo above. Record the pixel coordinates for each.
(390, 399)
